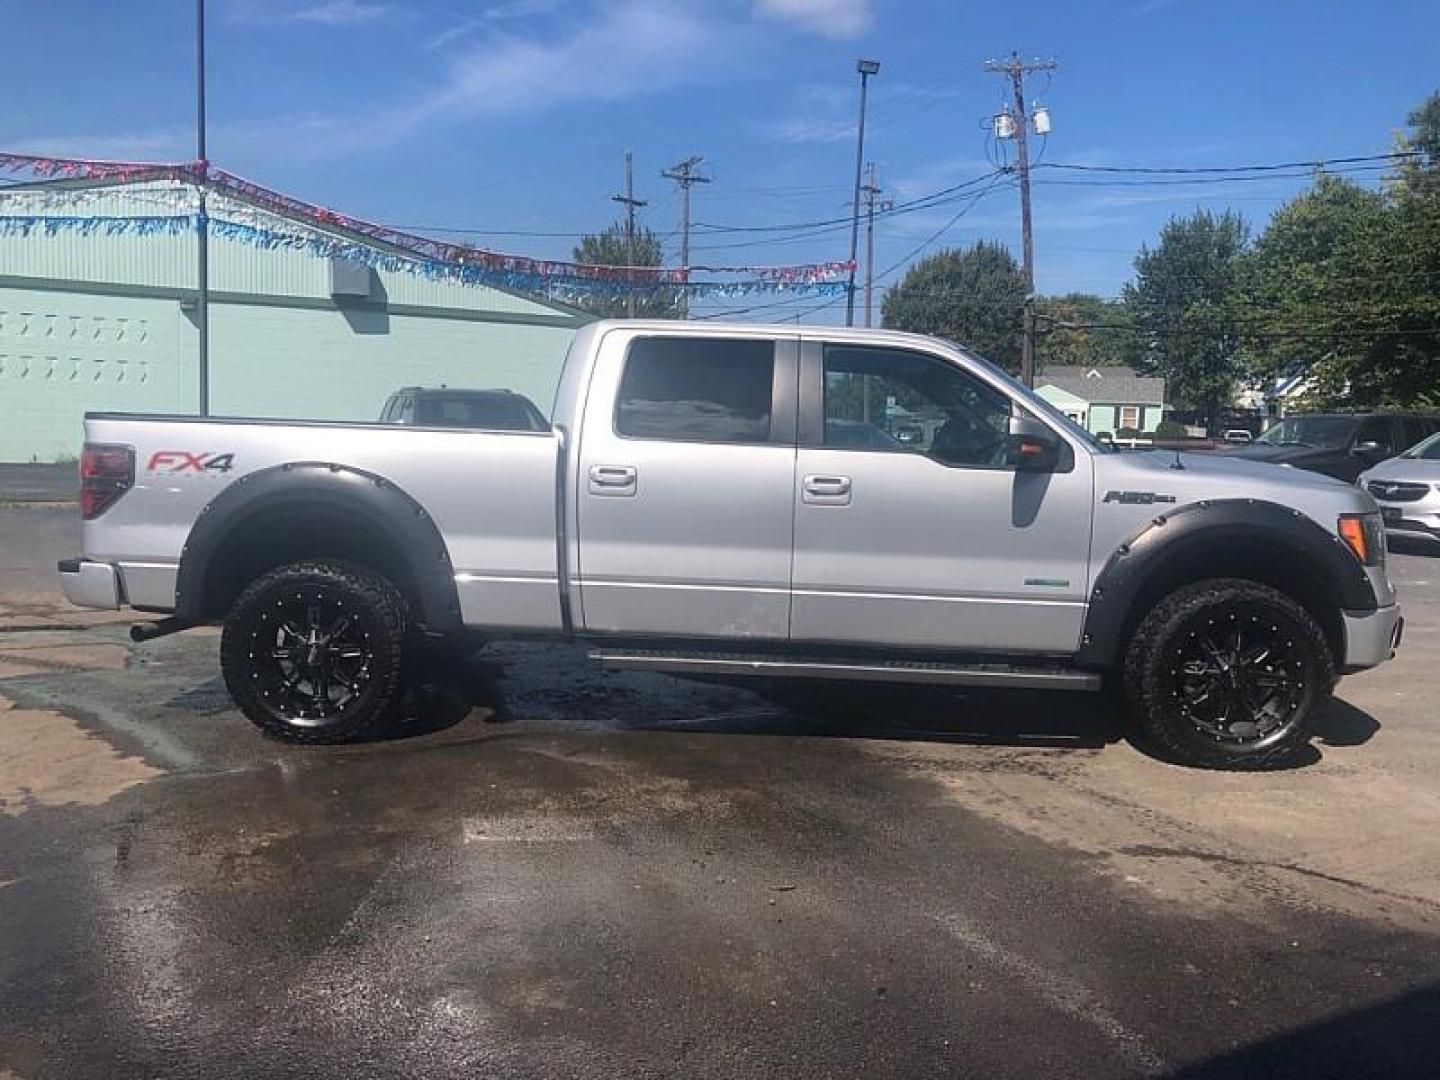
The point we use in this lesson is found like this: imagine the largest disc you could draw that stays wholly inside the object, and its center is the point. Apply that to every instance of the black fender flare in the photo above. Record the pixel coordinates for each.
(307, 485)
(1207, 526)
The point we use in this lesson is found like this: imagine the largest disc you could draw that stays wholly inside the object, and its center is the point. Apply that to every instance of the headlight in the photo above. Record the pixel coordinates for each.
(1364, 535)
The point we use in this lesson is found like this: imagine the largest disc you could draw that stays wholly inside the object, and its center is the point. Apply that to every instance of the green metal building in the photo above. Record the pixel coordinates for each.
(97, 320)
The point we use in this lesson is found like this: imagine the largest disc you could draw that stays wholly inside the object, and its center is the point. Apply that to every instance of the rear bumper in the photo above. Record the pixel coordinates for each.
(90, 584)
(1371, 637)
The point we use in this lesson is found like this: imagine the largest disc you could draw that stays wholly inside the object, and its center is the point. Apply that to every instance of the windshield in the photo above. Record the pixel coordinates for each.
(1326, 431)
(1428, 450)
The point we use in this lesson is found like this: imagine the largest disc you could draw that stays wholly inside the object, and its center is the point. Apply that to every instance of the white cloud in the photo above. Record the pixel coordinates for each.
(635, 47)
(503, 12)
(839, 19)
(342, 13)
(807, 131)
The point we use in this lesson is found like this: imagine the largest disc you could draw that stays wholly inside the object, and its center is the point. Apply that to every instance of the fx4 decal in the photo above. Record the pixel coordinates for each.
(1137, 498)
(171, 462)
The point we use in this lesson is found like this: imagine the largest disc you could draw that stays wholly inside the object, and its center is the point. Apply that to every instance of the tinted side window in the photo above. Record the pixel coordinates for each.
(697, 390)
(887, 399)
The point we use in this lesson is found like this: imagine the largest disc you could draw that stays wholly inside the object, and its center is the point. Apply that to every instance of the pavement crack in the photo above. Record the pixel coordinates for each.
(1152, 851)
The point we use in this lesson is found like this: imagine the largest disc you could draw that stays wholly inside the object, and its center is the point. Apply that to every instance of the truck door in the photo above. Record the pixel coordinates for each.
(685, 486)
(911, 529)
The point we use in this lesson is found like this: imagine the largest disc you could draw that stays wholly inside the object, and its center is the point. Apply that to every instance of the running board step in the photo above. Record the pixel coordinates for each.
(904, 671)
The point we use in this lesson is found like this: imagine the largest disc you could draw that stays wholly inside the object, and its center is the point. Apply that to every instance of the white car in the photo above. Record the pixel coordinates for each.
(1408, 491)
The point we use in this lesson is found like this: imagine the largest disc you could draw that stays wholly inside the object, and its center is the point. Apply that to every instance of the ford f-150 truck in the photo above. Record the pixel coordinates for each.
(726, 500)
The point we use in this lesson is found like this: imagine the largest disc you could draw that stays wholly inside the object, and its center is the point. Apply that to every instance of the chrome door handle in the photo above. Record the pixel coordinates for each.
(826, 490)
(613, 480)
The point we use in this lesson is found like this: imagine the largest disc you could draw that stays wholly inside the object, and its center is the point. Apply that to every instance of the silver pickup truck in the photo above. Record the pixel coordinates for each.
(820, 503)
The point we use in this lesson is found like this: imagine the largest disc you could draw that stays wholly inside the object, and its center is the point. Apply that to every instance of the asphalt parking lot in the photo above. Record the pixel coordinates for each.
(555, 872)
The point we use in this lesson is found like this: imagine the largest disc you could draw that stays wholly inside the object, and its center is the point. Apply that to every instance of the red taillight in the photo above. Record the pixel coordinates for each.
(106, 472)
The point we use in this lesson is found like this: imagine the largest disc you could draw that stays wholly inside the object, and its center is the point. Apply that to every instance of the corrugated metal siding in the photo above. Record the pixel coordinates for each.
(62, 354)
(81, 340)
(162, 261)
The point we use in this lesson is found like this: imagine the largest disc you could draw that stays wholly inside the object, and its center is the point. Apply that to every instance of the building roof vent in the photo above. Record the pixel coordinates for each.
(351, 279)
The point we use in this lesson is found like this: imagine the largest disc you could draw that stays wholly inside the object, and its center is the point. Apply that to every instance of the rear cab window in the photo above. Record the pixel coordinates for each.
(691, 389)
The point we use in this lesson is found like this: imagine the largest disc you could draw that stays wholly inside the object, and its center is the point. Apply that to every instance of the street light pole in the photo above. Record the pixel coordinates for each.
(866, 68)
(202, 221)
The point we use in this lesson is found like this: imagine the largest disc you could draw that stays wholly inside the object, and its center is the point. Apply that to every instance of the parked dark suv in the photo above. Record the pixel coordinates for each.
(487, 410)
(1342, 445)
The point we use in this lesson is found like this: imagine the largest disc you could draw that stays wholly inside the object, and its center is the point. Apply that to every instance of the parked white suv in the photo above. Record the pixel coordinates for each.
(1408, 491)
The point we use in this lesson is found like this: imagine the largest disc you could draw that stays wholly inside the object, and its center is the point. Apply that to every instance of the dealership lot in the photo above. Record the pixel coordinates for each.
(557, 872)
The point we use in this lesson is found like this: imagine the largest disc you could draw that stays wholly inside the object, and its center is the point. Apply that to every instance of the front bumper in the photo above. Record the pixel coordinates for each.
(1371, 637)
(90, 584)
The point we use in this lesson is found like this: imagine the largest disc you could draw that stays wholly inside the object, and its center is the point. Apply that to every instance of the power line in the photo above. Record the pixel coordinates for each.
(922, 202)
(940, 231)
(1316, 163)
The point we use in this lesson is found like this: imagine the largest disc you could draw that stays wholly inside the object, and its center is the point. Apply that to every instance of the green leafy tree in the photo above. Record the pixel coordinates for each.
(1346, 283)
(1085, 331)
(611, 248)
(1303, 287)
(1186, 301)
(973, 297)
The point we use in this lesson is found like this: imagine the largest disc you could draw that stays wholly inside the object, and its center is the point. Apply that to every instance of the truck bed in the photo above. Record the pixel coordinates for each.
(491, 494)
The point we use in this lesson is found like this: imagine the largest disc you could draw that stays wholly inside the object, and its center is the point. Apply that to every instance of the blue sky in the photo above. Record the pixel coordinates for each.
(513, 115)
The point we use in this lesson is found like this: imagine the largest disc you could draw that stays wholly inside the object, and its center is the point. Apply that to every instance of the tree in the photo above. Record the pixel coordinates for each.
(973, 297)
(1345, 282)
(1084, 331)
(1186, 302)
(1303, 284)
(611, 248)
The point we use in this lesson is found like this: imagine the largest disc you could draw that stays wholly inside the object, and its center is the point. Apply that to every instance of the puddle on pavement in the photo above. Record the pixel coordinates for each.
(50, 760)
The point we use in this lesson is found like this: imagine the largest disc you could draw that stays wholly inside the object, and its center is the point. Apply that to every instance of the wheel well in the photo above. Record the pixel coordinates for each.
(286, 533)
(1270, 564)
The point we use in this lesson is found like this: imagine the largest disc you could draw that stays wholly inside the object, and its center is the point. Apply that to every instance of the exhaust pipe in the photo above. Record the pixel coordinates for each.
(150, 631)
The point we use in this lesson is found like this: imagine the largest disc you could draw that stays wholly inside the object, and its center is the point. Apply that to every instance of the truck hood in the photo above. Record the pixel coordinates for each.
(1224, 476)
(1224, 470)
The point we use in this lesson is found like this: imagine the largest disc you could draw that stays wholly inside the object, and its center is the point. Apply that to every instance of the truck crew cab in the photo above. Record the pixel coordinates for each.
(816, 503)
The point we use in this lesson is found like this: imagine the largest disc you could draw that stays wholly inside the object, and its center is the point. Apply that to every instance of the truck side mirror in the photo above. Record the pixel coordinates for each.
(1368, 448)
(1031, 446)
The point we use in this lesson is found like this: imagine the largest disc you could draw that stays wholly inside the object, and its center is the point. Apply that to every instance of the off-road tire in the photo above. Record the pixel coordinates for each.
(378, 628)
(1154, 673)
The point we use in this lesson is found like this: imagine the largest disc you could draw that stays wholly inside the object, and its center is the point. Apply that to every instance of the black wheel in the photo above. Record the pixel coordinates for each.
(1228, 674)
(313, 651)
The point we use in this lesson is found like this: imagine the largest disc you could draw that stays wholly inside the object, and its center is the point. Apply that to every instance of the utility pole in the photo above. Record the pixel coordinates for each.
(866, 68)
(685, 175)
(202, 220)
(1019, 124)
(630, 204)
(871, 190)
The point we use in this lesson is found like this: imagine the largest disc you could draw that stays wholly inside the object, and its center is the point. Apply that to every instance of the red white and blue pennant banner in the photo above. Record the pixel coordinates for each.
(401, 251)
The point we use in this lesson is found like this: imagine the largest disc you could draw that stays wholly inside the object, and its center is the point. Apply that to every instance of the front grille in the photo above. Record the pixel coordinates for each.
(1395, 491)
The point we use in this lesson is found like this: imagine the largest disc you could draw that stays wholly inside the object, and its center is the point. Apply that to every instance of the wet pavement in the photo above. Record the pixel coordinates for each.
(555, 872)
